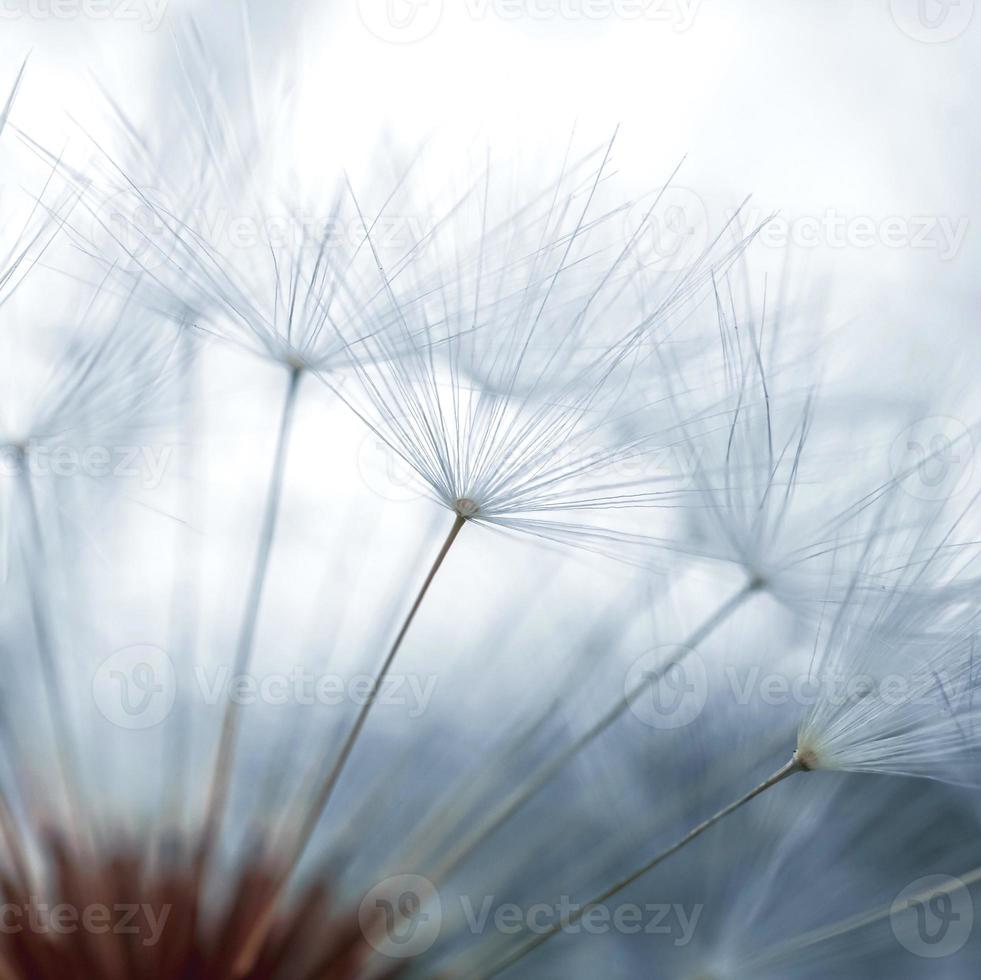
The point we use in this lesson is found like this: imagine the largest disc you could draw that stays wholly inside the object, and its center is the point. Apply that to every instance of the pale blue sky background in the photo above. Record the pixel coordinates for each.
(857, 122)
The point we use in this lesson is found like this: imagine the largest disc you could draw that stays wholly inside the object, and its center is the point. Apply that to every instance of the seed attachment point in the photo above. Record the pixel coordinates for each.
(466, 507)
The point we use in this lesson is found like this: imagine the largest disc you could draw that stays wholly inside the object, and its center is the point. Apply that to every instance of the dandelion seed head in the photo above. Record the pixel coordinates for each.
(167, 934)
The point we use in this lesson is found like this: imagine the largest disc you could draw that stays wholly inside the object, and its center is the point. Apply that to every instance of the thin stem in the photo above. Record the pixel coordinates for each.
(184, 597)
(54, 699)
(539, 779)
(221, 778)
(250, 948)
(322, 798)
(793, 766)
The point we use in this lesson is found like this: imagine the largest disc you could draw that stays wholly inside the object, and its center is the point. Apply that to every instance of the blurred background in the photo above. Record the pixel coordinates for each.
(853, 122)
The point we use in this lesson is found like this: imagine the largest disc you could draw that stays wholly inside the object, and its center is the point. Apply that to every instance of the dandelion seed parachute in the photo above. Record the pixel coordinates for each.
(795, 860)
(898, 680)
(496, 403)
(233, 241)
(766, 496)
(921, 732)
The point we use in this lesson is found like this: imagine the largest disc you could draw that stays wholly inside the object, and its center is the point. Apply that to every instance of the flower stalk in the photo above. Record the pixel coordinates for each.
(257, 936)
(227, 743)
(793, 766)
